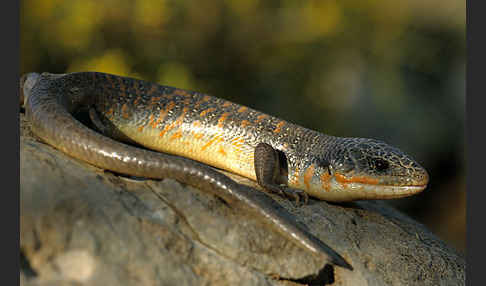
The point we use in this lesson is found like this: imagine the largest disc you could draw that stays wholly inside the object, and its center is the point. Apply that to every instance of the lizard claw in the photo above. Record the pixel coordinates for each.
(300, 197)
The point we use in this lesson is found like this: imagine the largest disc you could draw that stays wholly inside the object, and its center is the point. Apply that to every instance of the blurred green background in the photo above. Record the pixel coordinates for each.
(384, 69)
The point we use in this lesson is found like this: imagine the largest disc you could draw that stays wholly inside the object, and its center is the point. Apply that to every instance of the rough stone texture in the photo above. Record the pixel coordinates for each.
(80, 225)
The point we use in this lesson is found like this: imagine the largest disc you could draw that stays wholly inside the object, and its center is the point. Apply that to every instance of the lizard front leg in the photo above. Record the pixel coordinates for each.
(268, 169)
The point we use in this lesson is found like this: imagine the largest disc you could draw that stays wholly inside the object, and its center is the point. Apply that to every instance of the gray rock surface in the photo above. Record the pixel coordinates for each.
(80, 225)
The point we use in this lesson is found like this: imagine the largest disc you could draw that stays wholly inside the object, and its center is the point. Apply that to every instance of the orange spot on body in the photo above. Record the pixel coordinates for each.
(187, 101)
(279, 127)
(155, 100)
(181, 92)
(261, 117)
(309, 172)
(169, 107)
(295, 178)
(242, 109)
(204, 112)
(175, 123)
(244, 123)
(162, 115)
(199, 102)
(166, 128)
(358, 179)
(135, 102)
(140, 128)
(198, 135)
(222, 119)
(176, 135)
(109, 112)
(210, 142)
(125, 112)
(206, 98)
(181, 117)
(325, 179)
(226, 104)
(237, 143)
(221, 151)
(196, 123)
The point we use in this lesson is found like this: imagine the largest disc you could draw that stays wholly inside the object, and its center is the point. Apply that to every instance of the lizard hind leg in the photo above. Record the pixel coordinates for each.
(106, 127)
(96, 121)
(268, 169)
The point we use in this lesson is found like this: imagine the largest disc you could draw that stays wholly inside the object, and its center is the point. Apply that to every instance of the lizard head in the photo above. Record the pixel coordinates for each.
(360, 168)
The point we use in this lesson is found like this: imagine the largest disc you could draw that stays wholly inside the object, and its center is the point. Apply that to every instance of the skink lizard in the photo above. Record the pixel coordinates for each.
(216, 132)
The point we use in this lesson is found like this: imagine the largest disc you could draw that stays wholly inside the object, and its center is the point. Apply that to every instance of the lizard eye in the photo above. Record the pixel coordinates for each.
(380, 165)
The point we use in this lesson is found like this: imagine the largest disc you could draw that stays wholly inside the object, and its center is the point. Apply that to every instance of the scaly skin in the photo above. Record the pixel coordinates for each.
(215, 132)
(224, 135)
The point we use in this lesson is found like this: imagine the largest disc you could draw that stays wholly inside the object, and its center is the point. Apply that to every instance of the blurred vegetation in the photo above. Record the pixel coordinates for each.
(391, 70)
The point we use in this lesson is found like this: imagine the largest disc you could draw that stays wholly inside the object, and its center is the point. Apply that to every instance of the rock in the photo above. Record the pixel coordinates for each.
(80, 225)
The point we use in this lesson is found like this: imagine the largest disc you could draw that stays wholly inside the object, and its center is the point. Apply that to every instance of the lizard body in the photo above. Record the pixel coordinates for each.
(218, 133)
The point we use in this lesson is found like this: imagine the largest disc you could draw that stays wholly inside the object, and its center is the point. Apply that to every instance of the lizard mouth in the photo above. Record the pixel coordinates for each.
(348, 188)
(338, 187)
(375, 181)
(387, 191)
(365, 191)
